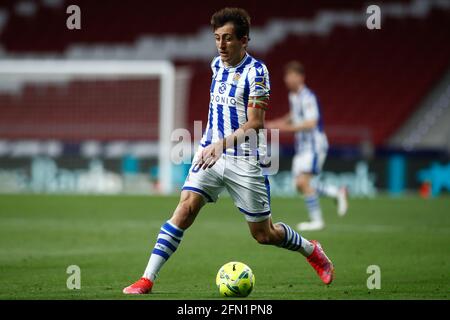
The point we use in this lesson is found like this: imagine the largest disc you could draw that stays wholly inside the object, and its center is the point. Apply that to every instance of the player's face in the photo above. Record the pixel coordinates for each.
(230, 48)
(293, 80)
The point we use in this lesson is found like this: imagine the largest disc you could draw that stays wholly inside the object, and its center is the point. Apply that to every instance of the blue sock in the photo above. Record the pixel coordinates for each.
(313, 206)
(293, 241)
(167, 243)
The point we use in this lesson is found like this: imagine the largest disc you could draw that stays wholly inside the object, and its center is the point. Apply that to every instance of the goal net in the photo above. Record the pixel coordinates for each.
(89, 126)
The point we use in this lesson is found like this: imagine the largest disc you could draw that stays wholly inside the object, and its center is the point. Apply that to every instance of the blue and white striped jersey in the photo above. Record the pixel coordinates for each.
(230, 90)
(304, 106)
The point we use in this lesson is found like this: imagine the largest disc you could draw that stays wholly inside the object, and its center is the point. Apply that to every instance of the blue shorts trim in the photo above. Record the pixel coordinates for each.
(315, 169)
(258, 214)
(267, 184)
(200, 191)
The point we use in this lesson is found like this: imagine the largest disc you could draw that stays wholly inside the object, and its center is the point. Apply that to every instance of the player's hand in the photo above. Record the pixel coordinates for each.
(272, 124)
(210, 155)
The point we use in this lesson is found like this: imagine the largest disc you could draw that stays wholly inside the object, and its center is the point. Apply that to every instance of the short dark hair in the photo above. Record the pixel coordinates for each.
(239, 17)
(295, 66)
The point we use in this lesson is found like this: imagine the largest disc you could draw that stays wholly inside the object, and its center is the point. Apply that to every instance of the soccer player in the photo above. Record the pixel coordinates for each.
(304, 119)
(239, 96)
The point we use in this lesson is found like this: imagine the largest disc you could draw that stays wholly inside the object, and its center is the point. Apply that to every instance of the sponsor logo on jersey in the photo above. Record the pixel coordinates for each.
(222, 99)
(222, 88)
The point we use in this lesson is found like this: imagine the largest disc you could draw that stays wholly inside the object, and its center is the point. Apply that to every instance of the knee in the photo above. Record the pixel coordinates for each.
(262, 238)
(185, 207)
(302, 184)
(186, 211)
(190, 203)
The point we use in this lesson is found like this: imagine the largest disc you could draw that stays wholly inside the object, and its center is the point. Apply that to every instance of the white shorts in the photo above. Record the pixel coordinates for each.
(243, 179)
(308, 162)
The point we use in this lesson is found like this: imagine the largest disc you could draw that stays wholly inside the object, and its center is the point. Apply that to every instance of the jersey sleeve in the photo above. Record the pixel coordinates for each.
(259, 81)
(310, 108)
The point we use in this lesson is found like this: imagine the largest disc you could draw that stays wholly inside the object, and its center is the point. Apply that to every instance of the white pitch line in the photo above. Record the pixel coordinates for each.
(379, 228)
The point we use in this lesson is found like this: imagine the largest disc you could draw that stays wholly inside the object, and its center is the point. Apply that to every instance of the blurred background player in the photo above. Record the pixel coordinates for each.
(311, 145)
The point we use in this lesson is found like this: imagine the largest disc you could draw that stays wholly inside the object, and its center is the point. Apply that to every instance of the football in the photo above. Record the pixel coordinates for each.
(235, 279)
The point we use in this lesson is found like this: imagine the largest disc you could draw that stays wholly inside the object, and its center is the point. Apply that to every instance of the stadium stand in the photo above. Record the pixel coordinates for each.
(368, 80)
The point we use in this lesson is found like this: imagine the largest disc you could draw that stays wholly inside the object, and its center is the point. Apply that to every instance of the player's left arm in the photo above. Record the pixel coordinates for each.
(256, 111)
(255, 121)
(258, 99)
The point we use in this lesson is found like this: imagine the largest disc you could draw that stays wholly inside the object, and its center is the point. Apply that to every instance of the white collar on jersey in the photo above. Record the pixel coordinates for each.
(302, 90)
(236, 66)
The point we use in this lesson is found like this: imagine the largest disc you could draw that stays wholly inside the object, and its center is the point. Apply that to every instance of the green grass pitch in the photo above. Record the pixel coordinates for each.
(110, 238)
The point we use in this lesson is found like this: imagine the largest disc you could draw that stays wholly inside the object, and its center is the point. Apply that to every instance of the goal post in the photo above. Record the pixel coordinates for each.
(17, 72)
